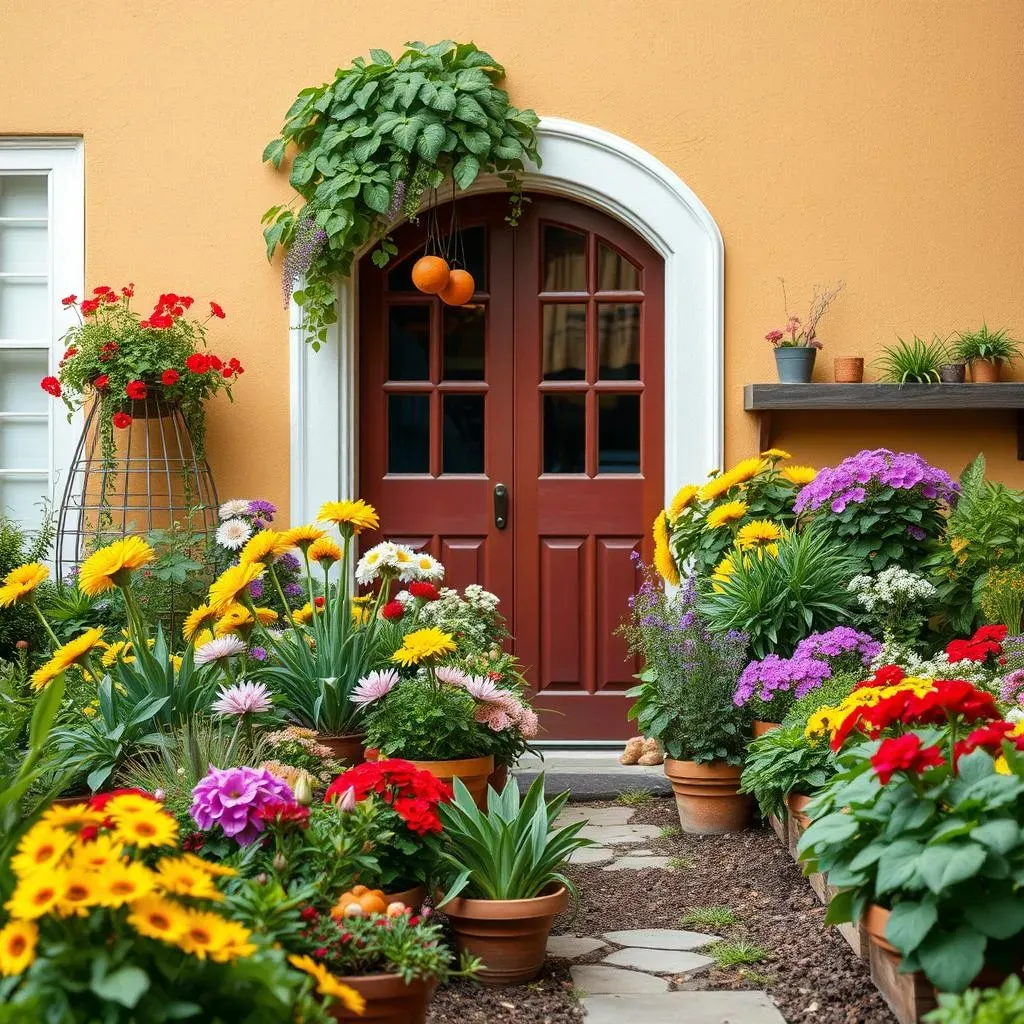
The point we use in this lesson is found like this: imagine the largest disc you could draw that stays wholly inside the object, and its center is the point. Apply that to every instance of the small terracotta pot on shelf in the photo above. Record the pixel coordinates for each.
(985, 371)
(760, 728)
(848, 369)
(953, 373)
(708, 798)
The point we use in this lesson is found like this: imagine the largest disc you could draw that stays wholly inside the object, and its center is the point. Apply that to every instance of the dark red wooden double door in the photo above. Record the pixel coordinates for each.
(548, 386)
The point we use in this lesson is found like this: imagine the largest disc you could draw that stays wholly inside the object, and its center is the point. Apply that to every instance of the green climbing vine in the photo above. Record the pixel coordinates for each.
(368, 145)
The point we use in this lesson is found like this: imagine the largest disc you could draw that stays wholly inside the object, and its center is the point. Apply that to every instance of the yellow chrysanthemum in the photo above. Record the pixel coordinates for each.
(196, 620)
(362, 600)
(776, 453)
(664, 563)
(41, 847)
(67, 655)
(265, 546)
(722, 572)
(324, 551)
(209, 866)
(799, 475)
(423, 645)
(109, 567)
(727, 512)
(236, 619)
(97, 855)
(121, 650)
(360, 616)
(302, 536)
(759, 533)
(183, 878)
(958, 544)
(20, 583)
(158, 918)
(204, 636)
(17, 947)
(210, 935)
(681, 502)
(130, 803)
(125, 883)
(226, 588)
(79, 894)
(747, 469)
(70, 815)
(716, 487)
(354, 516)
(144, 828)
(304, 614)
(328, 985)
(36, 894)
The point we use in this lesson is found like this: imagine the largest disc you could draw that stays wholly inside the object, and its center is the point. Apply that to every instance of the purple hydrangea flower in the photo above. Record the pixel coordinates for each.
(773, 675)
(292, 589)
(233, 797)
(1012, 688)
(838, 642)
(289, 563)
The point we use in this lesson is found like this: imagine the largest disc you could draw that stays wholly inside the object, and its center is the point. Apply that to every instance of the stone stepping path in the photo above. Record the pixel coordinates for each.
(629, 983)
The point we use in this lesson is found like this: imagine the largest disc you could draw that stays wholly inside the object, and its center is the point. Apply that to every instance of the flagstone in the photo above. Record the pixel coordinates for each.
(744, 1007)
(659, 961)
(571, 947)
(572, 813)
(659, 938)
(620, 835)
(593, 979)
(591, 855)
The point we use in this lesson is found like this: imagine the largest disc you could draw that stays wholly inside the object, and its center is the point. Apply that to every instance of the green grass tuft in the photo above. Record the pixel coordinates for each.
(635, 797)
(671, 832)
(737, 953)
(708, 917)
(679, 863)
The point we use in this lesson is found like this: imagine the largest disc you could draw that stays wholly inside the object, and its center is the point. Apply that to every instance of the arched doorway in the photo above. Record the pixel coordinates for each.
(550, 384)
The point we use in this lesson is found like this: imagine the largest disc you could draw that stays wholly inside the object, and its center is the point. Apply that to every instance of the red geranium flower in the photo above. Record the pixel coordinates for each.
(89, 306)
(886, 675)
(51, 386)
(111, 297)
(121, 420)
(186, 300)
(216, 310)
(320, 601)
(904, 753)
(414, 794)
(100, 800)
(160, 321)
(215, 362)
(987, 640)
(949, 697)
(69, 353)
(424, 591)
(198, 362)
(989, 737)
(102, 289)
(284, 812)
(393, 611)
(101, 382)
(69, 300)
(135, 389)
(128, 290)
(169, 377)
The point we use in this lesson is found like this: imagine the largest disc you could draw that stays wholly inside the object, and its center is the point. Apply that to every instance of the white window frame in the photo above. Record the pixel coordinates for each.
(62, 159)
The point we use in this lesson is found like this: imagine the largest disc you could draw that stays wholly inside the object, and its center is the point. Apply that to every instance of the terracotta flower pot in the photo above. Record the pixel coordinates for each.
(509, 936)
(875, 920)
(497, 779)
(707, 797)
(473, 772)
(985, 371)
(413, 897)
(388, 999)
(797, 804)
(760, 728)
(348, 748)
(848, 369)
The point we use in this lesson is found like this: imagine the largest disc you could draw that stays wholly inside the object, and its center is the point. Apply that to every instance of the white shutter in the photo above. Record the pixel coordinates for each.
(41, 261)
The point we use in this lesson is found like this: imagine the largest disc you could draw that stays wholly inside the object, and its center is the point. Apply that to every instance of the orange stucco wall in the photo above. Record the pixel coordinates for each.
(879, 141)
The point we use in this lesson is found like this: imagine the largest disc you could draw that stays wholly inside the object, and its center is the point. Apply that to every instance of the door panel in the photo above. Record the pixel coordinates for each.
(550, 382)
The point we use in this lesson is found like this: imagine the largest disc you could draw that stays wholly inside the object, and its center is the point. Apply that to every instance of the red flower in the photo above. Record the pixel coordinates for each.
(100, 800)
(424, 591)
(69, 300)
(904, 753)
(87, 833)
(215, 362)
(110, 346)
(128, 290)
(135, 389)
(284, 812)
(102, 290)
(986, 640)
(414, 794)
(949, 697)
(169, 377)
(216, 310)
(101, 382)
(194, 842)
(89, 306)
(989, 737)
(70, 353)
(160, 321)
(111, 297)
(997, 633)
(51, 386)
(308, 913)
(886, 675)
(392, 611)
(121, 420)
(186, 300)
(166, 301)
(320, 601)
(198, 362)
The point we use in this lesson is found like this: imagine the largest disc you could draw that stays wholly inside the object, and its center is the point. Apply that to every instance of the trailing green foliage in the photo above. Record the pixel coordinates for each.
(913, 362)
(783, 762)
(1003, 1005)
(370, 143)
(511, 852)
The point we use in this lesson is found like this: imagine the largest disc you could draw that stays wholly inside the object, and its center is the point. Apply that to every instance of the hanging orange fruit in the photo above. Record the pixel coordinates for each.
(459, 289)
(430, 274)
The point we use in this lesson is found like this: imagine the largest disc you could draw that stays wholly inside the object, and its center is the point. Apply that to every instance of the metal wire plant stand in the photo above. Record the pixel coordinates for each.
(153, 480)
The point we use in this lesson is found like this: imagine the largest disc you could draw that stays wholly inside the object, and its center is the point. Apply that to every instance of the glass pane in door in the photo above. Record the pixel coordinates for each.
(21, 370)
(565, 436)
(23, 310)
(23, 195)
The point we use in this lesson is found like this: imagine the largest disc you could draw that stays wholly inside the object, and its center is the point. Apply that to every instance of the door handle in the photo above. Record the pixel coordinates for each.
(500, 506)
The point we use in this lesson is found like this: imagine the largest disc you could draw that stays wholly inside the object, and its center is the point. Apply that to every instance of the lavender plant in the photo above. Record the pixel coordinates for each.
(684, 698)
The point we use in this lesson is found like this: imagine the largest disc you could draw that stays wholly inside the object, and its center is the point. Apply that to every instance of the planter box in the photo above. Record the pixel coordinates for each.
(854, 935)
(910, 996)
(781, 826)
(793, 833)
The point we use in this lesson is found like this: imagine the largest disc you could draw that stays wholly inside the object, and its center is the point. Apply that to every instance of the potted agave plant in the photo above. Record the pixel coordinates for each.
(502, 871)
(796, 344)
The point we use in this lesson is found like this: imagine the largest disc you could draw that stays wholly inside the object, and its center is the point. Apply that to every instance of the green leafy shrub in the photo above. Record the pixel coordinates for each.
(995, 346)
(1003, 1005)
(781, 762)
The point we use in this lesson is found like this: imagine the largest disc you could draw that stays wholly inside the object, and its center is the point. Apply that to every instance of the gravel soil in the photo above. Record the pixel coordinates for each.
(809, 971)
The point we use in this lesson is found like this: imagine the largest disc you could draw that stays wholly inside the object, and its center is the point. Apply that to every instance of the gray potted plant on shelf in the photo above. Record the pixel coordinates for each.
(986, 351)
(797, 343)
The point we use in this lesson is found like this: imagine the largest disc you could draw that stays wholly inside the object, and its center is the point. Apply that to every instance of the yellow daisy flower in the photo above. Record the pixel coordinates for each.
(759, 533)
(360, 616)
(125, 883)
(265, 546)
(722, 572)
(716, 487)
(130, 803)
(20, 583)
(354, 516)
(67, 655)
(210, 935)
(158, 918)
(17, 947)
(42, 847)
(180, 878)
(776, 453)
(237, 618)
(209, 866)
(37, 894)
(62, 815)
(79, 894)
(727, 512)
(144, 829)
(748, 469)
(110, 566)
(681, 502)
(664, 563)
(196, 620)
(225, 589)
(324, 551)
(116, 652)
(97, 855)
(799, 475)
(303, 615)
(328, 985)
(423, 645)
(302, 536)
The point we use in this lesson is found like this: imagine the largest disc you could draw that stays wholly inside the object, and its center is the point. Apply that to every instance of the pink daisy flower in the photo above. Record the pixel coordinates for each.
(242, 699)
(374, 686)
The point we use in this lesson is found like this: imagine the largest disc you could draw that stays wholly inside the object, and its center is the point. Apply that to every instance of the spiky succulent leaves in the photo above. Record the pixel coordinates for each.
(510, 852)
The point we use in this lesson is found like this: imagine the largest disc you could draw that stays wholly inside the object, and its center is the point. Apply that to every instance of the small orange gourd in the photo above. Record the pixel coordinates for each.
(430, 274)
(459, 289)
(367, 901)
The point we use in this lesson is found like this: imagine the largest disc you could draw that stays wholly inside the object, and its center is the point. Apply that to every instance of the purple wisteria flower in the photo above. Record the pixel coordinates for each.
(292, 589)
(233, 797)
(289, 563)
(838, 642)
(763, 680)
(851, 480)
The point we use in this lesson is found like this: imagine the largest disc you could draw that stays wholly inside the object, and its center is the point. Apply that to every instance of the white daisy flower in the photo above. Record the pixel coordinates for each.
(233, 533)
(428, 568)
(402, 558)
(235, 507)
(369, 567)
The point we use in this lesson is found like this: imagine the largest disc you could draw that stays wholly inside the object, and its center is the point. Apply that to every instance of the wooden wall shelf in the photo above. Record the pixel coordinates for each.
(765, 399)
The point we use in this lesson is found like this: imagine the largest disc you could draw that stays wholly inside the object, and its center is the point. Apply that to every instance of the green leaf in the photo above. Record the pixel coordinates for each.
(943, 866)
(429, 143)
(406, 132)
(274, 152)
(466, 171)
(952, 960)
(897, 865)
(1001, 835)
(377, 197)
(381, 57)
(125, 986)
(909, 923)
(999, 915)
(467, 109)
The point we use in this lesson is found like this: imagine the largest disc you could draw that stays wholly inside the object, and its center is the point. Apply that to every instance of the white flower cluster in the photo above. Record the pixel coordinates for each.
(894, 587)
(471, 613)
(938, 666)
(389, 559)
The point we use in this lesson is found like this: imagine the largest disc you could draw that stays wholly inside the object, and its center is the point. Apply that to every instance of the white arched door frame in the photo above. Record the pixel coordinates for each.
(602, 170)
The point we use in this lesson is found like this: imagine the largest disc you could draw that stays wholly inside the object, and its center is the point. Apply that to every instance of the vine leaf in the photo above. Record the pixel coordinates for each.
(377, 197)
(430, 141)
(406, 132)
(466, 171)
(274, 152)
